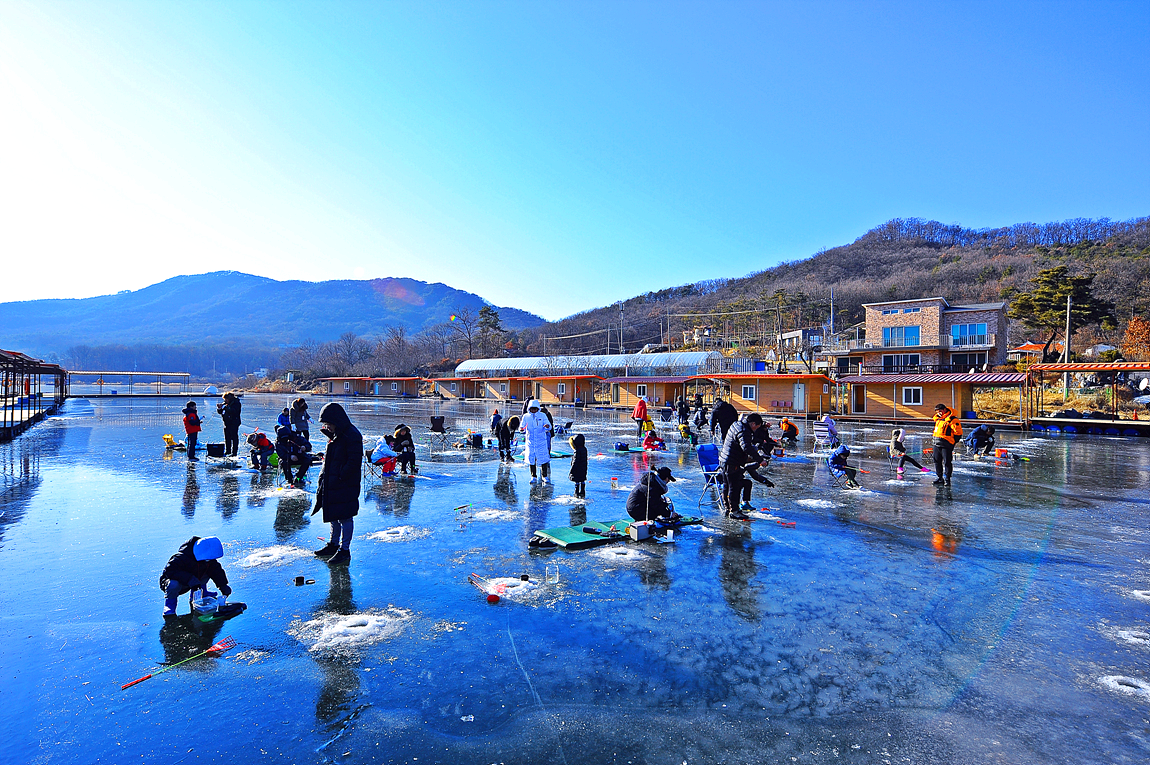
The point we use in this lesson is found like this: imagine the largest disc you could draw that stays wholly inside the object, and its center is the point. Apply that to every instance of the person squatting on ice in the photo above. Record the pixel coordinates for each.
(192, 426)
(898, 449)
(537, 453)
(404, 446)
(229, 412)
(838, 465)
(293, 450)
(578, 472)
(506, 433)
(262, 449)
(190, 569)
(739, 454)
(337, 493)
(648, 500)
(947, 431)
(981, 437)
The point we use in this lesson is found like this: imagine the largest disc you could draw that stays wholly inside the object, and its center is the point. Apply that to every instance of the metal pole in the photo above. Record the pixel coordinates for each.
(1066, 357)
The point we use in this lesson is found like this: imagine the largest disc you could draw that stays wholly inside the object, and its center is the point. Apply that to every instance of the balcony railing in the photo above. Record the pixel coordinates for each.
(905, 369)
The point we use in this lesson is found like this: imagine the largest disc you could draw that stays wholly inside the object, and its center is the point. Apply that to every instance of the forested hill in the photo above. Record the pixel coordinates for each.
(904, 258)
(231, 308)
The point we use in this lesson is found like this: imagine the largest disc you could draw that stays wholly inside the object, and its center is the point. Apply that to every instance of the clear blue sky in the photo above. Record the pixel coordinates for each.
(551, 156)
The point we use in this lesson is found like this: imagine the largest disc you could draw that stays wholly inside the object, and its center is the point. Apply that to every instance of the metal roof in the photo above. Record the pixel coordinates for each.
(757, 375)
(633, 363)
(651, 379)
(1113, 366)
(976, 307)
(996, 378)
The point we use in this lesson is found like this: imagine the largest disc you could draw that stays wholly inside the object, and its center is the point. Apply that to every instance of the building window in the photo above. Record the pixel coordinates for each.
(749, 392)
(452, 387)
(900, 361)
(912, 396)
(968, 334)
(562, 388)
(962, 362)
(347, 386)
(898, 337)
(889, 311)
(640, 390)
(502, 387)
(395, 386)
(910, 310)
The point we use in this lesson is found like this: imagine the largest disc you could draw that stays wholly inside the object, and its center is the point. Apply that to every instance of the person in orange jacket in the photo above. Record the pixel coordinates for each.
(947, 431)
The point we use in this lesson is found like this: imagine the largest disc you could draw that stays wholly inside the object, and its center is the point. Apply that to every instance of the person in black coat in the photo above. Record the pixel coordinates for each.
(578, 472)
(507, 429)
(684, 411)
(723, 417)
(740, 452)
(229, 412)
(648, 501)
(190, 569)
(339, 482)
(404, 446)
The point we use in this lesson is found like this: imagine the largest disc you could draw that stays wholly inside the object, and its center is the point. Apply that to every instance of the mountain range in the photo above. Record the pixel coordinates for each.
(228, 307)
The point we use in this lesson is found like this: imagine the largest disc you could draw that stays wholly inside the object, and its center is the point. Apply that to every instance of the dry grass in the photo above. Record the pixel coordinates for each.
(1004, 401)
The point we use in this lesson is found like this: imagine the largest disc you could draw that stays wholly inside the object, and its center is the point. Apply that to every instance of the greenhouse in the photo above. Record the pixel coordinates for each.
(615, 365)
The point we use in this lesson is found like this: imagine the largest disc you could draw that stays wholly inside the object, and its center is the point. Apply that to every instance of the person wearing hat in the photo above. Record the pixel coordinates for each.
(639, 414)
(723, 416)
(229, 412)
(790, 431)
(300, 419)
(537, 454)
(506, 432)
(981, 437)
(739, 453)
(947, 431)
(337, 492)
(648, 500)
(404, 446)
(496, 418)
(578, 472)
(192, 427)
(190, 569)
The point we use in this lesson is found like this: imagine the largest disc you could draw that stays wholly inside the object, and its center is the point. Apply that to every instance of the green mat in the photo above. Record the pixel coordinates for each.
(573, 538)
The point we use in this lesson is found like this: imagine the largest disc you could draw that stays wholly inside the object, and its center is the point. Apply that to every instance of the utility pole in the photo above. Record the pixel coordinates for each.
(1066, 356)
(621, 327)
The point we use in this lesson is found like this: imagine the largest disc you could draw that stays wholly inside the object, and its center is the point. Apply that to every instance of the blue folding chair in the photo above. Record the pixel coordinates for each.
(708, 455)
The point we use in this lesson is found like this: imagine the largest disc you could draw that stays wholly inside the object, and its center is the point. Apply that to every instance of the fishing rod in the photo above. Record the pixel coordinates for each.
(217, 649)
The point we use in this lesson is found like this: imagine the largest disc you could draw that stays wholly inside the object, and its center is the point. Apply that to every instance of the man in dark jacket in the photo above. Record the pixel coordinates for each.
(230, 414)
(740, 452)
(578, 472)
(723, 417)
(339, 482)
(196, 562)
(507, 430)
(648, 501)
(293, 450)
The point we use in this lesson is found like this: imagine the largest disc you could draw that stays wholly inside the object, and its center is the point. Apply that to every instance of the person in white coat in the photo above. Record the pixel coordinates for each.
(537, 453)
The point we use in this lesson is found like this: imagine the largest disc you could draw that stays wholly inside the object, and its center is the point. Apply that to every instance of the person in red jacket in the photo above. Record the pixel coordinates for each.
(192, 427)
(639, 414)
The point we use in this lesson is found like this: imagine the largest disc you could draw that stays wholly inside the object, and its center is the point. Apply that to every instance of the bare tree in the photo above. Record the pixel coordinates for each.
(466, 326)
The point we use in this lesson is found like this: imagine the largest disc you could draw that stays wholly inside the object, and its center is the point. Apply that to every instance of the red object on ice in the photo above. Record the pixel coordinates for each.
(788, 524)
(492, 598)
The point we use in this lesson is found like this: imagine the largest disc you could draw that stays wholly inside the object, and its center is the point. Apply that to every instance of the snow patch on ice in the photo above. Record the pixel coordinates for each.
(1131, 686)
(1134, 637)
(512, 588)
(1143, 595)
(274, 555)
(620, 554)
(495, 515)
(334, 633)
(569, 499)
(820, 503)
(398, 534)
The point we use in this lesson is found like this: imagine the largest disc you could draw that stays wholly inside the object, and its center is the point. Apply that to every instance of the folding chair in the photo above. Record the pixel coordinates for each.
(838, 476)
(561, 429)
(708, 455)
(825, 434)
(438, 433)
(665, 416)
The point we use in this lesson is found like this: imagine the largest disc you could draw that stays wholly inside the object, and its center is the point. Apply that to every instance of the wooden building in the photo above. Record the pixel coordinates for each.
(626, 391)
(457, 387)
(763, 392)
(564, 389)
(895, 397)
(383, 387)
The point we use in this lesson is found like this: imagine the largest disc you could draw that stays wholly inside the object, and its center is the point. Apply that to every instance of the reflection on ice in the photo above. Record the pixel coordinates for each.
(399, 534)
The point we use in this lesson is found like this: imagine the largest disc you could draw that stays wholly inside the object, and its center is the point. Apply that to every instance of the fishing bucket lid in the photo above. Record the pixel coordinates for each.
(208, 548)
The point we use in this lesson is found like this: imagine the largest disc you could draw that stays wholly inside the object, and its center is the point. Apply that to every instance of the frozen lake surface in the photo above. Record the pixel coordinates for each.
(1005, 620)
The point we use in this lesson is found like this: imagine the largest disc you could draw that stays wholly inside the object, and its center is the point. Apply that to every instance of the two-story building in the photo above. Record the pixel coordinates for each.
(925, 335)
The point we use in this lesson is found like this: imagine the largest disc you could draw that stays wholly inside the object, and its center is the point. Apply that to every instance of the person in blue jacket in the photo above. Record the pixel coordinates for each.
(190, 569)
(981, 437)
(838, 464)
(284, 420)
